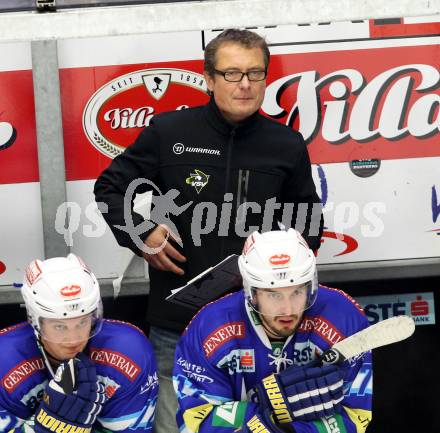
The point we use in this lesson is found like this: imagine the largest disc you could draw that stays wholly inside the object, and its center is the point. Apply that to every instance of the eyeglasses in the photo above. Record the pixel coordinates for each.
(237, 76)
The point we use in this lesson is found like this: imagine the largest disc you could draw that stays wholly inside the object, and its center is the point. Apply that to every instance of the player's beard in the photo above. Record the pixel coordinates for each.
(275, 329)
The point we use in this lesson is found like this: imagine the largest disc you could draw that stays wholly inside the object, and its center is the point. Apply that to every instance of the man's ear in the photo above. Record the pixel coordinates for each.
(209, 81)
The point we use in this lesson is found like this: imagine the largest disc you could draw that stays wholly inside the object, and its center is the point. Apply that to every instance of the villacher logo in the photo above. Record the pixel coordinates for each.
(117, 112)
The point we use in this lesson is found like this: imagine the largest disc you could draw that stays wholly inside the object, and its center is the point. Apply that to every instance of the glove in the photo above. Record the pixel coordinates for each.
(72, 398)
(302, 393)
(262, 422)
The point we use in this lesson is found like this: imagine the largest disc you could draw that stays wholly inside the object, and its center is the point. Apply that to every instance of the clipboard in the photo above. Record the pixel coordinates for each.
(210, 285)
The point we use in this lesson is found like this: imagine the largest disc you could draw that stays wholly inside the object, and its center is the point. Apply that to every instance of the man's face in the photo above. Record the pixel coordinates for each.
(64, 338)
(281, 309)
(237, 101)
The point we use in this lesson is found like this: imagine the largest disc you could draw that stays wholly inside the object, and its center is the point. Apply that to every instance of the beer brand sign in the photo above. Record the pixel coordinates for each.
(350, 106)
(116, 113)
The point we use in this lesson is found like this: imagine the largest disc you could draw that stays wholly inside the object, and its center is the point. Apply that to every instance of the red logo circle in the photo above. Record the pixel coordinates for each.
(279, 259)
(2, 267)
(70, 291)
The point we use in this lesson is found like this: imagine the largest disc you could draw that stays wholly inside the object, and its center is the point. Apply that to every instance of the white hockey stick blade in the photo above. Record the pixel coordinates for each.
(382, 333)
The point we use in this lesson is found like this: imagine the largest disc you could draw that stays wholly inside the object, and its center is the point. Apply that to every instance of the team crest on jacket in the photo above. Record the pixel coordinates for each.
(198, 180)
(117, 112)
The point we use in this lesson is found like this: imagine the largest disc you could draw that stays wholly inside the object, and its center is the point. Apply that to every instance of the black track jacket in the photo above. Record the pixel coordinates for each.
(203, 169)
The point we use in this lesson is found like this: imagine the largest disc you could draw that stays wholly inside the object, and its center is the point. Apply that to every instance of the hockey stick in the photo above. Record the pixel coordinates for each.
(382, 333)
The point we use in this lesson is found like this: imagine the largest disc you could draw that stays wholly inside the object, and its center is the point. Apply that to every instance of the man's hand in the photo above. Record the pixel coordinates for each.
(162, 260)
(73, 398)
(302, 393)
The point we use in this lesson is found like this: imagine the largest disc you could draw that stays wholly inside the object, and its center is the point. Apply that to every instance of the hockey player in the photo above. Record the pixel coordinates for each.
(68, 370)
(249, 361)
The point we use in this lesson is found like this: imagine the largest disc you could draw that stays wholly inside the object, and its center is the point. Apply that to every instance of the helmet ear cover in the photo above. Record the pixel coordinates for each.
(61, 288)
(277, 259)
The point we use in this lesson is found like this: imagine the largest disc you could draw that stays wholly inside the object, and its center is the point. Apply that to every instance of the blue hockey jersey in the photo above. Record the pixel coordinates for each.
(225, 352)
(125, 365)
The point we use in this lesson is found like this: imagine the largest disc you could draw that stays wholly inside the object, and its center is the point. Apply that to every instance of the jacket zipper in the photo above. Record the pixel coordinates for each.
(228, 175)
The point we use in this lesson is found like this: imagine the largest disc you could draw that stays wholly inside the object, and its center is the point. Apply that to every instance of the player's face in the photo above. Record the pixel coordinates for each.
(237, 100)
(281, 309)
(64, 338)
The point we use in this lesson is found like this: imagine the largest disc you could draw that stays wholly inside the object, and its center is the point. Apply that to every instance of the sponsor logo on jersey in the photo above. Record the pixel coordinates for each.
(180, 148)
(117, 360)
(229, 415)
(194, 371)
(321, 327)
(70, 291)
(238, 360)
(21, 372)
(226, 332)
(151, 383)
(276, 399)
(279, 260)
(256, 426)
(305, 352)
(115, 114)
(198, 180)
(330, 424)
(194, 417)
(420, 306)
(54, 424)
(109, 385)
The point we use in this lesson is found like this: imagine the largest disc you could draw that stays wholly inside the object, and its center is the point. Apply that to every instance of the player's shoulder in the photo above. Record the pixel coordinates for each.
(19, 354)
(216, 313)
(121, 346)
(333, 297)
(335, 315)
(17, 339)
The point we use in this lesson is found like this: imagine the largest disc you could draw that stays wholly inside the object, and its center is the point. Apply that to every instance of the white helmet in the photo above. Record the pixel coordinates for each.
(61, 288)
(277, 259)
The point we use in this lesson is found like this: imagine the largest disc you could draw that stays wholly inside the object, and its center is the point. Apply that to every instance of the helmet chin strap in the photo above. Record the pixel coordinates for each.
(47, 357)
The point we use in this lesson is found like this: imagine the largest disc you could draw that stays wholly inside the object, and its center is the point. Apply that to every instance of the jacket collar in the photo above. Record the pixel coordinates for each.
(216, 120)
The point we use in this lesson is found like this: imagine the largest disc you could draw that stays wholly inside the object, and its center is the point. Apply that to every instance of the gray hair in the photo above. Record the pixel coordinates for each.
(244, 38)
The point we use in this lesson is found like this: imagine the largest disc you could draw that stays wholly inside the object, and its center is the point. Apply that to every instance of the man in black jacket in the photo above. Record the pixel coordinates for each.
(218, 172)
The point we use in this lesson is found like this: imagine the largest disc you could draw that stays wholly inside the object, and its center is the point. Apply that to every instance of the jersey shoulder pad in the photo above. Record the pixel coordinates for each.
(17, 342)
(21, 362)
